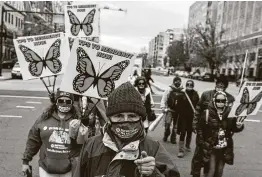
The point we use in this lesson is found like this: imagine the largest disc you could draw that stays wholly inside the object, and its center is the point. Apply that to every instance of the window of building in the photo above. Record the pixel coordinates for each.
(230, 71)
(160, 48)
(223, 71)
(230, 59)
(236, 71)
(21, 23)
(259, 55)
(8, 17)
(250, 72)
(16, 21)
(12, 19)
(237, 58)
(252, 56)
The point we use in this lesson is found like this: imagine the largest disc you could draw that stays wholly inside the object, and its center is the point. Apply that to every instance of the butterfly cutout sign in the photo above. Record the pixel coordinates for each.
(43, 55)
(82, 20)
(95, 70)
(248, 101)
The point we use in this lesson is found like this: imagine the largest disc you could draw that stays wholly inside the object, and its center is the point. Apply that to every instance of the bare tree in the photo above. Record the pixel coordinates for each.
(207, 44)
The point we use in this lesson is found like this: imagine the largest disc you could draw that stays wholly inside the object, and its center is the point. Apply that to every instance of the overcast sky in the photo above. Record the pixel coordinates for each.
(143, 21)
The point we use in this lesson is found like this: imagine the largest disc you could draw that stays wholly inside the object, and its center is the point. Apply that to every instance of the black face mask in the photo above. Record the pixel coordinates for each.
(177, 84)
(127, 131)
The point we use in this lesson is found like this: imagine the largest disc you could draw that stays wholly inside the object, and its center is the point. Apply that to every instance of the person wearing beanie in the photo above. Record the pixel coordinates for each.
(123, 149)
(50, 136)
(170, 101)
(205, 99)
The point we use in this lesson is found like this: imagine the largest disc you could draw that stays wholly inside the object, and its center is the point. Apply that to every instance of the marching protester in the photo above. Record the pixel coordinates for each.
(50, 135)
(146, 95)
(133, 77)
(215, 131)
(148, 76)
(123, 149)
(169, 105)
(186, 114)
(206, 98)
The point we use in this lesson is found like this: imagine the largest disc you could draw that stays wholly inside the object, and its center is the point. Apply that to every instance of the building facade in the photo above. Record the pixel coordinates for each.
(37, 23)
(13, 27)
(58, 20)
(159, 44)
(242, 21)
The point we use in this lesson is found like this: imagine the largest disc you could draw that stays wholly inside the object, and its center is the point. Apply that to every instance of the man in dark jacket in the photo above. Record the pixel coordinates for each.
(206, 98)
(171, 98)
(123, 149)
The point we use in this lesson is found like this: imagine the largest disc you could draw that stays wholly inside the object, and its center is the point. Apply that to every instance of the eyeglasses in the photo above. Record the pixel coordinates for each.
(220, 100)
(141, 83)
(61, 101)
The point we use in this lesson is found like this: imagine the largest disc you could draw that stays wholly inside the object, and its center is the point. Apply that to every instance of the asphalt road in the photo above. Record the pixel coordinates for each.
(19, 110)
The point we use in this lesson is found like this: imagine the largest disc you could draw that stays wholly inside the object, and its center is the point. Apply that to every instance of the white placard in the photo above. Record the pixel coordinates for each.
(82, 20)
(248, 101)
(43, 55)
(95, 70)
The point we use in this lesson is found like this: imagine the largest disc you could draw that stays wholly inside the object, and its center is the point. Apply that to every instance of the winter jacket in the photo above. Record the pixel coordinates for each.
(171, 97)
(208, 128)
(148, 102)
(51, 137)
(186, 113)
(202, 105)
(100, 157)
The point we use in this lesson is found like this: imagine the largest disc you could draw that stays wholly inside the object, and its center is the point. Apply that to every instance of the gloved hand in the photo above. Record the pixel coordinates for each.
(146, 164)
(26, 169)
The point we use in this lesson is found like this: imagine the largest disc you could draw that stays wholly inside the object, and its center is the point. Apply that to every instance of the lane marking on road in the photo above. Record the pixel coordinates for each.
(33, 102)
(10, 116)
(12, 96)
(157, 109)
(252, 120)
(26, 107)
(247, 120)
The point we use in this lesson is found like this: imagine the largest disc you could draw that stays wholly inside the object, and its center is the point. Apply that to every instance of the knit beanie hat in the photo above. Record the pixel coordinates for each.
(60, 94)
(176, 79)
(125, 98)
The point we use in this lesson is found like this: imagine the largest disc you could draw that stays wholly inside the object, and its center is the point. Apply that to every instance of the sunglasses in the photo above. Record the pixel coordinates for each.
(141, 83)
(61, 101)
(220, 100)
(189, 85)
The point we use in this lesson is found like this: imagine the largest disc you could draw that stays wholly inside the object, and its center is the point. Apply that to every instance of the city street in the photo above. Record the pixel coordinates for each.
(20, 108)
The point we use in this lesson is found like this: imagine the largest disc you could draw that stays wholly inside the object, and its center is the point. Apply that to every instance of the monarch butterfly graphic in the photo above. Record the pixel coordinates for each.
(37, 64)
(246, 104)
(88, 77)
(85, 25)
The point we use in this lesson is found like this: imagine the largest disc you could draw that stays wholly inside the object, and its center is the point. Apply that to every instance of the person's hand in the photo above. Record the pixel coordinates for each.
(240, 121)
(146, 165)
(25, 169)
(74, 124)
(164, 110)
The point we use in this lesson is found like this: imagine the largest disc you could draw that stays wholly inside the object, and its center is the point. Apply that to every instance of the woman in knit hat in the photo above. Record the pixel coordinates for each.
(146, 95)
(123, 149)
(50, 135)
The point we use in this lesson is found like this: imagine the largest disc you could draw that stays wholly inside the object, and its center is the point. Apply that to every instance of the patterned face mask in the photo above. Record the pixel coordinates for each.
(64, 105)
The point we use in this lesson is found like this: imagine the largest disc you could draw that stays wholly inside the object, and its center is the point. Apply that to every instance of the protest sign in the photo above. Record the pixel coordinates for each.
(43, 55)
(95, 70)
(248, 101)
(93, 39)
(82, 20)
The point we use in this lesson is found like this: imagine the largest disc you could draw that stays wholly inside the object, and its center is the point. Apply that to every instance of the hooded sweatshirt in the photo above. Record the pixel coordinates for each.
(51, 137)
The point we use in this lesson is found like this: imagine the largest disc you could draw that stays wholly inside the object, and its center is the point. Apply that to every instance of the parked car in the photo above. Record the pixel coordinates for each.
(208, 77)
(7, 64)
(196, 76)
(16, 71)
(238, 81)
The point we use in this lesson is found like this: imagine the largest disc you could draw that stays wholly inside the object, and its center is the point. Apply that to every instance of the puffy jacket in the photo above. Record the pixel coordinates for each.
(100, 157)
(208, 128)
